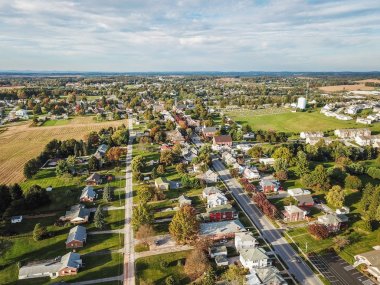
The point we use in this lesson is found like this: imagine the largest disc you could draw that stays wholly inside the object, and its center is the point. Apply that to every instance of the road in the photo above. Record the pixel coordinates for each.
(129, 252)
(272, 235)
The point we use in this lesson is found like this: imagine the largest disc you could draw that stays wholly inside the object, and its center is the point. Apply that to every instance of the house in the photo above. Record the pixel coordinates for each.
(269, 185)
(265, 276)
(305, 135)
(162, 183)
(315, 140)
(305, 200)
(217, 251)
(363, 141)
(254, 258)
(297, 192)
(175, 136)
(372, 261)
(77, 237)
(333, 222)
(184, 200)
(209, 176)
(210, 191)
(68, 264)
(22, 114)
(342, 211)
(94, 179)
(228, 158)
(222, 140)
(249, 136)
(221, 260)
(77, 214)
(101, 151)
(293, 214)
(251, 173)
(220, 213)
(221, 230)
(216, 199)
(365, 121)
(267, 161)
(245, 240)
(16, 219)
(88, 194)
(209, 132)
(351, 133)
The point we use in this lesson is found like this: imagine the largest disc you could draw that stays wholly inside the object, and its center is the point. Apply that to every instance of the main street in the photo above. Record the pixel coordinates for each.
(272, 235)
(129, 253)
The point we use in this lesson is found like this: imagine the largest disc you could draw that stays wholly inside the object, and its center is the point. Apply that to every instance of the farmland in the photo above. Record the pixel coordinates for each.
(290, 122)
(22, 142)
(355, 87)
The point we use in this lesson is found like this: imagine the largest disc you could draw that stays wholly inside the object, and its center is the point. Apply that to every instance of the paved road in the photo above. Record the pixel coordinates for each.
(121, 231)
(129, 252)
(97, 281)
(301, 271)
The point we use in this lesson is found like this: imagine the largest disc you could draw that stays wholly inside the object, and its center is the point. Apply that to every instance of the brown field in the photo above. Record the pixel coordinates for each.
(22, 142)
(346, 88)
(373, 80)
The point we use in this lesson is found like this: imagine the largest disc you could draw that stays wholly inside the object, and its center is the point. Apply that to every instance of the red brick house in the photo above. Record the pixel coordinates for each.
(293, 214)
(209, 132)
(304, 200)
(220, 213)
(77, 237)
(223, 140)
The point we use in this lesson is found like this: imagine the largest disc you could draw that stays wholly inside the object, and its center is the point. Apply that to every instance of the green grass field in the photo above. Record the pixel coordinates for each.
(50, 123)
(149, 268)
(293, 122)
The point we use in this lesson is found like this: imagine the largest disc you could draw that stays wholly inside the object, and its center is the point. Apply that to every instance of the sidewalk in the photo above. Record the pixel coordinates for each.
(97, 281)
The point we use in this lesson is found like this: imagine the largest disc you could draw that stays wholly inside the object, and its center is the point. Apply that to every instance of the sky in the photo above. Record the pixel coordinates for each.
(189, 35)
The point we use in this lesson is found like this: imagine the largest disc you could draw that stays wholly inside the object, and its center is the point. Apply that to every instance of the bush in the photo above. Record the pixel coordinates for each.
(164, 264)
(319, 231)
(374, 172)
(169, 280)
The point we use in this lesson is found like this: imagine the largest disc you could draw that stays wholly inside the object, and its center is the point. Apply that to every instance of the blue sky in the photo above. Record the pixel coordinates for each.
(189, 35)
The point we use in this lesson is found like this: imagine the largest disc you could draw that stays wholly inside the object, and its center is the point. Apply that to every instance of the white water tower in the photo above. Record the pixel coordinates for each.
(301, 103)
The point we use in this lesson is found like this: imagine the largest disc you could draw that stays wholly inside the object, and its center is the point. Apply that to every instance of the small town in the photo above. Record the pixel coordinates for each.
(190, 142)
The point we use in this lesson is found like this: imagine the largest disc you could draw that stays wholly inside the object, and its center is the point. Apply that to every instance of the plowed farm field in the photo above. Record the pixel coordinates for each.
(20, 143)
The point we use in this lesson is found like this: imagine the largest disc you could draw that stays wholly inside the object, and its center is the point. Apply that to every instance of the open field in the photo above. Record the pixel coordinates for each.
(291, 122)
(22, 142)
(355, 87)
(373, 80)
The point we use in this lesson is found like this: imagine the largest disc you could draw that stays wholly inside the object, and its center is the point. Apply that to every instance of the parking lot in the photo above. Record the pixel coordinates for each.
(338, 271)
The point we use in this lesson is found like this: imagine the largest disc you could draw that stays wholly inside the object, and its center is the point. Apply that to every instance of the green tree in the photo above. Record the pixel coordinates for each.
(144, 194)
(256, 151)
(107, 193)
(160, 169)
(281, 164)
(209, 277)
(282, 152)
(352, 182)
(141, 216)
(166, 157)
(235, 274)
(120, 137)
(93, 164)
(39, 232)
(181, 168)
(71, 162)
(62, 168)
(335, 196)
(99, 218)
(302, 164)
(184, 226)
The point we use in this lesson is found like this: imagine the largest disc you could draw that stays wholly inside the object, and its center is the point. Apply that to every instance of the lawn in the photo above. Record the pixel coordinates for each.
(149, 268)
(50, 123)
(113, 219)
(103, 242)
(290, 122)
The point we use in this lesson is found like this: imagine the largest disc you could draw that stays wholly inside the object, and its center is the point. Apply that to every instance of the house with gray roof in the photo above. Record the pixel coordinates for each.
(210, 191)
(94, 179)
(101, 151)
(254, 258)
(184, 200)
(68, 264)
(77, 214)
(77, 237)
(245, 240)
(334, 222)
(267, 275)
(88, 194)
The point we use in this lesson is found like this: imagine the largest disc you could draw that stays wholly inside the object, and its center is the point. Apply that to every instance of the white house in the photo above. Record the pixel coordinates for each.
(254, 258)
(217, 251)
(304, 135)
(267, 161)
(216, 200)
(16, 219)
(23, 114)
(251, 173)
(209, 176)
(364, 121)
(297, 191)
(210, 191)
(363, 141)
(245, 240)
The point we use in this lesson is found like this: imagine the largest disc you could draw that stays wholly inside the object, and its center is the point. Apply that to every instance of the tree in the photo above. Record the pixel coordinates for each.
(181, 168)
(166, 157)
(5, 198)
(145, 233)
(160, 169)
(99, 218)
(61, 168)
(170, 279)
(256, 151)
(137, 163)
(39, 232)
(352, 182)
(340, 242)
(209, 277)
(114, 154)
(282, 152)
(302, 164)
(145, 194)
(335, 196)
(235, 275)
(141, 216)
(318, 179)
(319, 231)
(36, 197)
(196, 264)
(93, 163)
(281, 164)
(184, 226)
(107, 193)
(71, 162)
(120, 137)
(15, 192)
